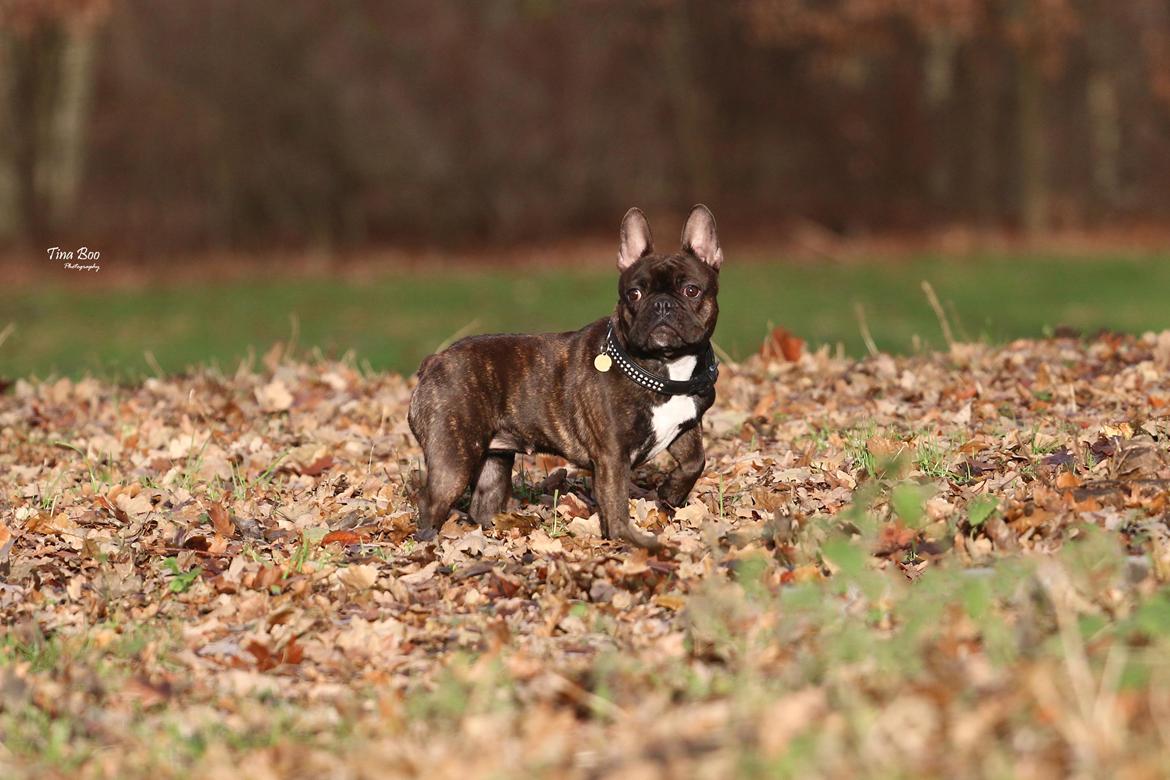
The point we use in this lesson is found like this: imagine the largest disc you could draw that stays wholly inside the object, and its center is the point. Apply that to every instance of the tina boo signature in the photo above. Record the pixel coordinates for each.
(89, 256)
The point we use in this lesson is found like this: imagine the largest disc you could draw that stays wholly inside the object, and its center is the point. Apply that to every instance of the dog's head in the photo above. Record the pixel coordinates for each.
(667, 303)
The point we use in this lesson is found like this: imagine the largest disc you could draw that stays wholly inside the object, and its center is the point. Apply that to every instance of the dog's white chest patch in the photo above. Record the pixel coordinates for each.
(667, 418)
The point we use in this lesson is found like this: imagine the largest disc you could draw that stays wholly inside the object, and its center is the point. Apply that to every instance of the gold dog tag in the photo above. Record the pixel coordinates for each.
(602, 362)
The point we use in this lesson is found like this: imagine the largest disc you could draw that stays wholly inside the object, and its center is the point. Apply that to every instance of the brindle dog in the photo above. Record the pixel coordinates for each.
(607, 397)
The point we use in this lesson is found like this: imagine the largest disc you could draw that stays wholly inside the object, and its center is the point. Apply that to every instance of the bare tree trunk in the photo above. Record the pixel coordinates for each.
(985, 156)
(691, 105)
(1104, 115)
(10, 211)
(1032, 175)
(47, 107)
(35, 63)
(939, 71)
(67, 125)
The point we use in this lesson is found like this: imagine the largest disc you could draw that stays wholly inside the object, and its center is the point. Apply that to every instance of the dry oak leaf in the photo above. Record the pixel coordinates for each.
(420, 576)
(135, 507)
(648, 515)
(572, 506)
(274, 396)
(672, 601)
(266, 658)
(341, 537)
(636, 562)
(6, 542)
(360, 576)
(221, 520)
(693, 514)
(471, 543)
(318, 467)
(45, 523)
(938, 508)
(963, 416)
(585, 526)
(540, 542)
(782, 345)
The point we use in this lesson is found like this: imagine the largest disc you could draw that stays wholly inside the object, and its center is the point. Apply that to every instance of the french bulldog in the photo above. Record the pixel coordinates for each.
(607, 397)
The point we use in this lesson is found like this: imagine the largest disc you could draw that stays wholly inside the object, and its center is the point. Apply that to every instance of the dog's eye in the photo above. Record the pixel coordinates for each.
(692, 291)
(634, 295)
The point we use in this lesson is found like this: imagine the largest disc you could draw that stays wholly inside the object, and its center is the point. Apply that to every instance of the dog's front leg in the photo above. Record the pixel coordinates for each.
(611, 488)
(687, 451)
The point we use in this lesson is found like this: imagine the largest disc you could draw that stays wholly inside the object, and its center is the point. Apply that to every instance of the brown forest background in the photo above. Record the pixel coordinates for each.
(222, 123)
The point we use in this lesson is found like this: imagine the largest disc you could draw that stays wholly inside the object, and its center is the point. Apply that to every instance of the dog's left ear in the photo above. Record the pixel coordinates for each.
(700, 239)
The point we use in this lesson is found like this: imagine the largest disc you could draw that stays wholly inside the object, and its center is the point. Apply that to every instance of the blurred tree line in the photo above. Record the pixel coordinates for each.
(229, 123)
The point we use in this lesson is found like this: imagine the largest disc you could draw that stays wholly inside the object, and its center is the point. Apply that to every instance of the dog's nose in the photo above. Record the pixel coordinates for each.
(663, 305)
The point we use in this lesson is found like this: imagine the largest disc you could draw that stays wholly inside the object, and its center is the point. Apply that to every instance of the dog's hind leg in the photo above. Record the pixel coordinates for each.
(493, 488)
(449, 472)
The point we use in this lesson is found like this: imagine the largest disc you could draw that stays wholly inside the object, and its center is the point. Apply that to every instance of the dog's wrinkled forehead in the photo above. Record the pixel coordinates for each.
(654, 272)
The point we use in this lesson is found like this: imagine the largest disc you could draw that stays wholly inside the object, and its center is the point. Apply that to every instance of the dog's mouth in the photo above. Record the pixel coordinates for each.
(668, 338)
(665, 334)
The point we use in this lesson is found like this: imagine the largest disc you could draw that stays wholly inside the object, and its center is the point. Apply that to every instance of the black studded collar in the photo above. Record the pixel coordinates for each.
(702, 379)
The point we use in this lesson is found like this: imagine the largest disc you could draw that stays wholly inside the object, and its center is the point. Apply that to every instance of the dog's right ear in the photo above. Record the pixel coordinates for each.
(635, 239)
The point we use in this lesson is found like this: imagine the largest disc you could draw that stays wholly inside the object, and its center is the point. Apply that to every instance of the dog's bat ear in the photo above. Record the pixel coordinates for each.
(636, 240)
(700, 239)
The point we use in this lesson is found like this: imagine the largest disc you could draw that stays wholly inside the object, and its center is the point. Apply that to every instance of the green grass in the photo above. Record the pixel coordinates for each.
(396, 319)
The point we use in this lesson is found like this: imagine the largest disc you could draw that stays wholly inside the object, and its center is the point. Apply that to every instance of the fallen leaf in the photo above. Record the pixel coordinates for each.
(44, 523)
(585, 526)
(636, 562)
(6, 542)
(135, 507)
(318, 467)
(693, 514)
(672, 601)
(221, 521)
(540, 542)
(572, 506)
(358, 576)
(341, 537)
(782, 345)
(422, 575)
(274, 397)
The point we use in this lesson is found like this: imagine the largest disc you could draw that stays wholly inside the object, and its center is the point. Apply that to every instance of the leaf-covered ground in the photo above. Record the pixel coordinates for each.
(953, 564)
